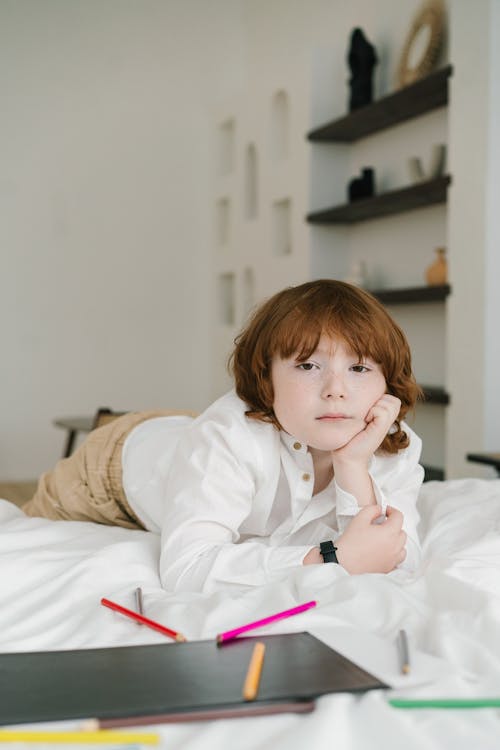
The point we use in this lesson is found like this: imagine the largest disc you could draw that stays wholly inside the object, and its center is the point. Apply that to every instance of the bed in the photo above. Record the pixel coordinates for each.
(53, 575)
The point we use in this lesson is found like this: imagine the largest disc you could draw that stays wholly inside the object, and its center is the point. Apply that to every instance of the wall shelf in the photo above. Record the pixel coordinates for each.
(424, 96)
(435, 395)
(420, 97)
(411, 295)
(419, 195)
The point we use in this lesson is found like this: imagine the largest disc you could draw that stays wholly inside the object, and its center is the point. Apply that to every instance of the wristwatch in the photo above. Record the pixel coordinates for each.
(328, 551)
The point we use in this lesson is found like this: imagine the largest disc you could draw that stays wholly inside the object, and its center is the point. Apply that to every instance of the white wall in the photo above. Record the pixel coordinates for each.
(104, 231)
(474, 234)
(491, 405)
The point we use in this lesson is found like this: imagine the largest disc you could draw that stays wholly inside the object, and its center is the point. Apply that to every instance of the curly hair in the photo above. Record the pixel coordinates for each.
(292, 322)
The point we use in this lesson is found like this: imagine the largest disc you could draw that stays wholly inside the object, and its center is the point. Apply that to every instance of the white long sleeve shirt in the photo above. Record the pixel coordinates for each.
(233, 499)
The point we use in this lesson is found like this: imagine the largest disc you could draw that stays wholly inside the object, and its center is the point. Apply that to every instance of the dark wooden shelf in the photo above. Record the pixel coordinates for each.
(489, 459)
(410, 295)
(419, 195)
(420, 97)
(435, 395)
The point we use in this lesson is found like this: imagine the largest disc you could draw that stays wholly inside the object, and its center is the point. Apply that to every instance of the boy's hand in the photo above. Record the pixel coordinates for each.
(363, 445)
(367, 547)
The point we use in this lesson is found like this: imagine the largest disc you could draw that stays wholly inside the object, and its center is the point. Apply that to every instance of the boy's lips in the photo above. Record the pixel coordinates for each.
(332, 417)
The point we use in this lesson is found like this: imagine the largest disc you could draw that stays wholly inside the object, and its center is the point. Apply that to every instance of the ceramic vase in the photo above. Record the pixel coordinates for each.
(437, 273)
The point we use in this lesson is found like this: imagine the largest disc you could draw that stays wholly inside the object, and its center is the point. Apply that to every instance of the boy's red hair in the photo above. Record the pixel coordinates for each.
(292, 323)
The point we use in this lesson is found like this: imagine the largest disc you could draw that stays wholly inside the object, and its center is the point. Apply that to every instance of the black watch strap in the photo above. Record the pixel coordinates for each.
(329, 552)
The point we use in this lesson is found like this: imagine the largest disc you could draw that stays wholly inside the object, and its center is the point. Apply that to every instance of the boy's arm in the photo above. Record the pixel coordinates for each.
(357, 483)
(351, 462)
(396, 481)
(217, 470)
(366, 547)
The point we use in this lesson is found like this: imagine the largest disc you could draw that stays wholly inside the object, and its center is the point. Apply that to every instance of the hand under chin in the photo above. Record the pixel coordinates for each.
(356, 427)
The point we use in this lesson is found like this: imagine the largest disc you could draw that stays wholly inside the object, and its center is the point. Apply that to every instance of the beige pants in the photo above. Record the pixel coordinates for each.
(87, 486)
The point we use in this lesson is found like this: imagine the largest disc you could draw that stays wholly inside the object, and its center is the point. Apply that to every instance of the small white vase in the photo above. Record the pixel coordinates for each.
(357, 274)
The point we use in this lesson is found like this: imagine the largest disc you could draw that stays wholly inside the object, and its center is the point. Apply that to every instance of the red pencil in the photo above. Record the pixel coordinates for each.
(144, 620)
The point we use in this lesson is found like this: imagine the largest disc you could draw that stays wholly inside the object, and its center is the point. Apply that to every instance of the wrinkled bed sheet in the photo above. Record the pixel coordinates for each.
(53, 574)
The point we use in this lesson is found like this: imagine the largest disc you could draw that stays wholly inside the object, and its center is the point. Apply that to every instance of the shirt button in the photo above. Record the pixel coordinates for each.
(306, 477)
(297, 446)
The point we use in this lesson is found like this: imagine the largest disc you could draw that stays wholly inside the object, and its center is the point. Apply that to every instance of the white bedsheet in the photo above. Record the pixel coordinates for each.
(53, 574)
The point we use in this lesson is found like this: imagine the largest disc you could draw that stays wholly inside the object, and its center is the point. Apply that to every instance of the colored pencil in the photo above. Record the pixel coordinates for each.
(144, 620)
(445, 702)
(139, 604)
(229, 634)
(98, 737)
(252, 679)
(404, 651)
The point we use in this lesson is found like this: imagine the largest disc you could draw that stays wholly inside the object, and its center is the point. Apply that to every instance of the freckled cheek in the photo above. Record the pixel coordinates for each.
(298, 393)
(369, 397)
(291, 398)
(378, 387)
(285, 397)
(359, 390)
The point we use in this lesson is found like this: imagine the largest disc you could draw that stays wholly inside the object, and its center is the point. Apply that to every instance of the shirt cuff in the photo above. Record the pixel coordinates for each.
(282, 558)
(347, 505)
(379, 496)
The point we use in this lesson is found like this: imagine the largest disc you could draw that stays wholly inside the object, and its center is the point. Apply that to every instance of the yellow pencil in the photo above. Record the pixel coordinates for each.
(97, 737)
(251, 684)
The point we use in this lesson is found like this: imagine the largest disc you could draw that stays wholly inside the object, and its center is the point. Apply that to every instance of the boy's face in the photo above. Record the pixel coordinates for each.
(324, 400)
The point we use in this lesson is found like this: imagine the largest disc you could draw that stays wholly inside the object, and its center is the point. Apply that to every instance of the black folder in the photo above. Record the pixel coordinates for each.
(174, 681)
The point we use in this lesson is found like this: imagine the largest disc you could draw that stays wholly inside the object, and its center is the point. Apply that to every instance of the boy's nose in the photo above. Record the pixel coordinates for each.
(333, 387)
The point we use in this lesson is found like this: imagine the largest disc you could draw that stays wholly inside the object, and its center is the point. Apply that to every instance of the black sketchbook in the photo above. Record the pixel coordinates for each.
(179, 681)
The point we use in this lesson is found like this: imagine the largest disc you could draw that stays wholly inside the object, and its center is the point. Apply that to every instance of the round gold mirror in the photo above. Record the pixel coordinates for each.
(423, 43)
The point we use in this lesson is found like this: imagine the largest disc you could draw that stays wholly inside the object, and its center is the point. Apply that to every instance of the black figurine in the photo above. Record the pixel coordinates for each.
(362, 59)
(362, 187)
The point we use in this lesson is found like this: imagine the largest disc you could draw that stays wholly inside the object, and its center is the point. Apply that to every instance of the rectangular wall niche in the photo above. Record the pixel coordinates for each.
(282, 229)
(226, 296)
(226, 147)
(223, 222)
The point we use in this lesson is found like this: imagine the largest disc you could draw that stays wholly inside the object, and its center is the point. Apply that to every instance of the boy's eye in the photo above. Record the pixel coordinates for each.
(360, 368)
(306, 366)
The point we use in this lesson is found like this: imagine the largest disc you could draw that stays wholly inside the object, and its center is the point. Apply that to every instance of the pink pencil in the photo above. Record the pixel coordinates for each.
(229, 634)
(143, 620)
